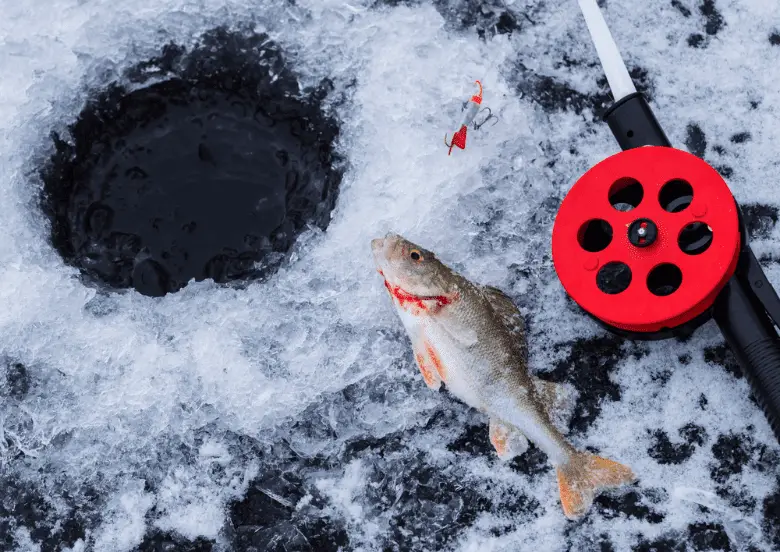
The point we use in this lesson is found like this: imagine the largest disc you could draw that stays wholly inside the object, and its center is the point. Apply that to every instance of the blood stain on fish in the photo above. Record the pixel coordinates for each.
(415, 303)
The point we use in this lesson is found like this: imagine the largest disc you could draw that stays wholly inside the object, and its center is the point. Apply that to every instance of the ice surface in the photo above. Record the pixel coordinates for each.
(741, 530)
(258, 414)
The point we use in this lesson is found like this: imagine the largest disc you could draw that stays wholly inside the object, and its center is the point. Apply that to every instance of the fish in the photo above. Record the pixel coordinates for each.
(471, 338)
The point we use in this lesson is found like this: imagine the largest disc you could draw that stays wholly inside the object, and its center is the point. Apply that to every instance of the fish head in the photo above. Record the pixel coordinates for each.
(411, 268)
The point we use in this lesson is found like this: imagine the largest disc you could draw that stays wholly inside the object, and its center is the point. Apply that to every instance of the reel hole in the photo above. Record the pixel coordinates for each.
(613, 278)
(595, 235)
(695, 238)
(626, 194)
(675, 195)
(664, 280)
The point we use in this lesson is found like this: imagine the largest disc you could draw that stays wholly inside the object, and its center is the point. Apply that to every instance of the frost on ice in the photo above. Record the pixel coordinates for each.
(290, 413)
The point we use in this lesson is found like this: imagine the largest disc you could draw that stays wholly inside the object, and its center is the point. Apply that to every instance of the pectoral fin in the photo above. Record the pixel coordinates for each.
(429, 363)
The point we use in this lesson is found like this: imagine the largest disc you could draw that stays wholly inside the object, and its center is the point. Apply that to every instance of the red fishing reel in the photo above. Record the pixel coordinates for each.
(645, 241)
(651, 243)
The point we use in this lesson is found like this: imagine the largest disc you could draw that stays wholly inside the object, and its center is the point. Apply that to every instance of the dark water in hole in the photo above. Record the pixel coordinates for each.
(201, 189)
(203, 175)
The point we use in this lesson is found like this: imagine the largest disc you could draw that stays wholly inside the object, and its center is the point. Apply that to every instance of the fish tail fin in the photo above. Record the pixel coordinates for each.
(584, 476)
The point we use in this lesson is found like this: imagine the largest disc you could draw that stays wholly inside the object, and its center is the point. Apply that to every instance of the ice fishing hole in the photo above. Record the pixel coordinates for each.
(211, 171)
(675, 195)
(613, 278)
(664, 279)
(626, 194)
(695, 238)
(595, 235)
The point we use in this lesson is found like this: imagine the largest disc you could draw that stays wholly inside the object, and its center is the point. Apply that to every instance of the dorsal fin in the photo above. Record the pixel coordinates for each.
(505, 308)
(509, 315)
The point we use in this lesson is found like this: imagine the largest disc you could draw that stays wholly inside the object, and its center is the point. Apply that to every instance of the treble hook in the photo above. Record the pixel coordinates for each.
(489, 117)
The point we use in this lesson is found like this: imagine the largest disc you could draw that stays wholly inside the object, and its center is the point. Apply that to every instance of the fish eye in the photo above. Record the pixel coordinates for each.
(416, 255)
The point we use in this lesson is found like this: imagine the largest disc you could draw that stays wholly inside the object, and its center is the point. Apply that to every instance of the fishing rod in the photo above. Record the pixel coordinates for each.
(651, 243)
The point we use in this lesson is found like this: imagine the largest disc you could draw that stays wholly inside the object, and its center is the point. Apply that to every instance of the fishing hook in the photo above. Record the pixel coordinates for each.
(450, 145)
(489, 117)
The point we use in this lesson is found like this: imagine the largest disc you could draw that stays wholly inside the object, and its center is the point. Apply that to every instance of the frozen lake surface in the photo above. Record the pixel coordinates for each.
(288, 414)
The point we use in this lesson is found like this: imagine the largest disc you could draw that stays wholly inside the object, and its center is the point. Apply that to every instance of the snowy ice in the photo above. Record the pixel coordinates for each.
(168, 408)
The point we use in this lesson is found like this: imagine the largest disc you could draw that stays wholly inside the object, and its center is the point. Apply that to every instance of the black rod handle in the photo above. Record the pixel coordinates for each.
(633, 123)
(754, 342)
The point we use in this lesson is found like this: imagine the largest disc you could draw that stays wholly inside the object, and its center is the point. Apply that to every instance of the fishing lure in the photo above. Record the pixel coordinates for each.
(472, 108)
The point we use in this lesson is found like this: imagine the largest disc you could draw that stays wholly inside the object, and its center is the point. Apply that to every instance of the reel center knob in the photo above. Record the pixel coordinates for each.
(642, 232)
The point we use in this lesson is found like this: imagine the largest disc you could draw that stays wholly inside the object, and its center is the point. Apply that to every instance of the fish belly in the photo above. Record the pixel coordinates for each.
(463, 370)
(411, 323)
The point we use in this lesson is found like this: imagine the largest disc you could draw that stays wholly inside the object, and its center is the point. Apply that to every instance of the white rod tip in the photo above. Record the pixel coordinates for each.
(617, 75)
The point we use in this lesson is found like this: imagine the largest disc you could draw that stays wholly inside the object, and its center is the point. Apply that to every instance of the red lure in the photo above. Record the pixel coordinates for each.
(472, 108)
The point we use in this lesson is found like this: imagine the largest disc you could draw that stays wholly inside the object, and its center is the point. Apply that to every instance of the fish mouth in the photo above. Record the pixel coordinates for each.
(378, 251)
(381, 248)
(377, 244)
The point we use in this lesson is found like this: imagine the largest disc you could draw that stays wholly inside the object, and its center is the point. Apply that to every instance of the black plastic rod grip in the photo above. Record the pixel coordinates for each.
(633, 123)
(754, 342)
